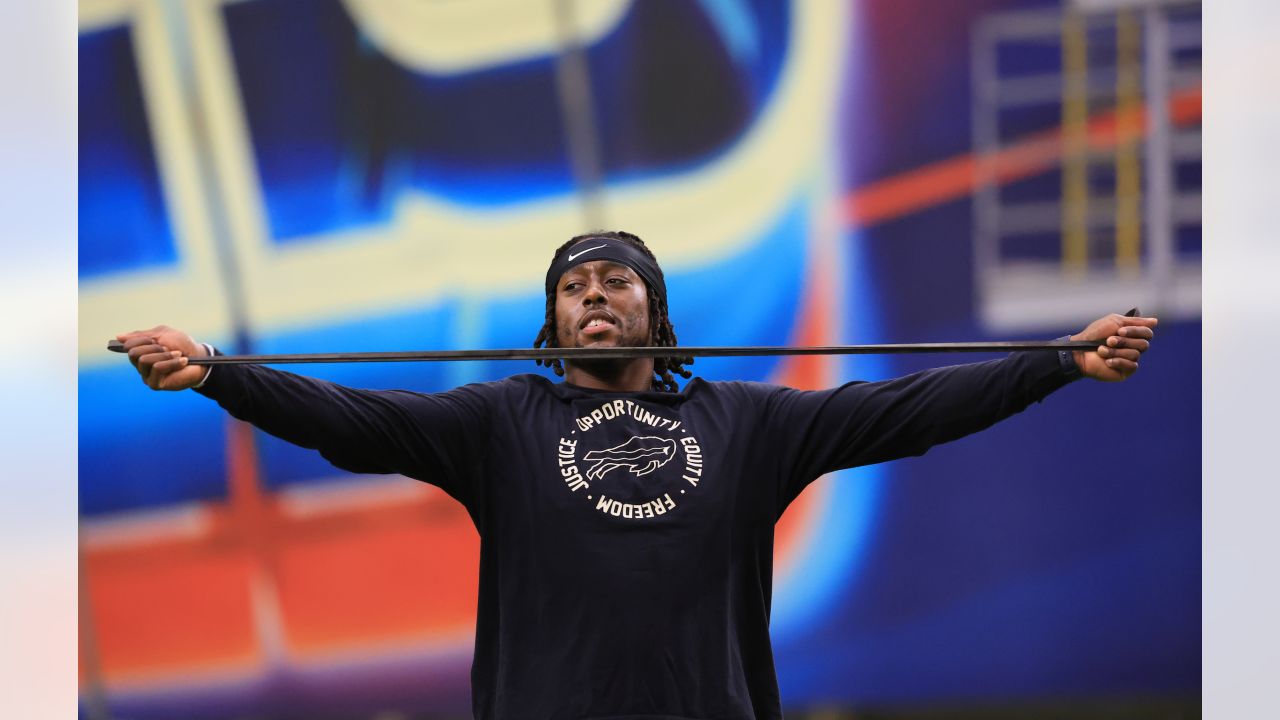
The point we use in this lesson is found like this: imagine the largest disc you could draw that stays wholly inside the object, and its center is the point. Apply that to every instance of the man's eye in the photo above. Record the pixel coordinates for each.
(617, 280)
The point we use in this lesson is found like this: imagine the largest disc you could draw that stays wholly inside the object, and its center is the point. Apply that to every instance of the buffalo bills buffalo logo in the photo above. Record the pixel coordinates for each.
(641, 455)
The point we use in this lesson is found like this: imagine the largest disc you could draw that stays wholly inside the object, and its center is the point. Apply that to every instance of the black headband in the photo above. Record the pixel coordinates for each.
(619, 251)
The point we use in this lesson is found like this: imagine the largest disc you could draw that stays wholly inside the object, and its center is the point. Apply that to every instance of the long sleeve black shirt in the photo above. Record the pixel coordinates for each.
(627, 538)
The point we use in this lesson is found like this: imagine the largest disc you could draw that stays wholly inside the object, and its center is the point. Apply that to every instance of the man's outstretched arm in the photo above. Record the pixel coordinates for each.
(863, 423)
(429, 437)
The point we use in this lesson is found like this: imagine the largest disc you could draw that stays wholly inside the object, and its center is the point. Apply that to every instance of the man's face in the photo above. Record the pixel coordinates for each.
(602, 303)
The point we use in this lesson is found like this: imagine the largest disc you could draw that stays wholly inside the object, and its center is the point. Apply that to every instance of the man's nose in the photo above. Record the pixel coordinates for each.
(594, 293)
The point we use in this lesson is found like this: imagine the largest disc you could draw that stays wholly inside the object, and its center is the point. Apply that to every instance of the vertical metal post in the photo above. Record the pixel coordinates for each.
(573, 83)
(1075, 139)
(93, 692)
(1159, 169)
(177, 22)
(1128, 189)
(245, 491)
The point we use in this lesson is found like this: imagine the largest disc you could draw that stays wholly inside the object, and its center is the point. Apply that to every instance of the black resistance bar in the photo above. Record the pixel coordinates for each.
(631, 353)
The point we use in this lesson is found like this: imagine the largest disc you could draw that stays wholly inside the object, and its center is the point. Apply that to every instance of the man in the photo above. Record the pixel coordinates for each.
(627, 528)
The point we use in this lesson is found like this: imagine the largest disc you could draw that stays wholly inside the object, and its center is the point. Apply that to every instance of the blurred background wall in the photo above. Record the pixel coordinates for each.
(290, 176)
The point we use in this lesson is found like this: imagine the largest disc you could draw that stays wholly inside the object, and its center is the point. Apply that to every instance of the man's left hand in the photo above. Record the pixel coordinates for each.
(1122, 341)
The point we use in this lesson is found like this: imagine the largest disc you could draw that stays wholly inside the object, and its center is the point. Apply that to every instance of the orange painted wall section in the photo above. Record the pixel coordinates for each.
(172, 609)
(402, 575)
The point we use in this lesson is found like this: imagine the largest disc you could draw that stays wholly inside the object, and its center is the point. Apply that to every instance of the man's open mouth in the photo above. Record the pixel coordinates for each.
(597, 322)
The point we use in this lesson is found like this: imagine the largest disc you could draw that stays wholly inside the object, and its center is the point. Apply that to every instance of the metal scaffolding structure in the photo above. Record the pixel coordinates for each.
(1086, 131)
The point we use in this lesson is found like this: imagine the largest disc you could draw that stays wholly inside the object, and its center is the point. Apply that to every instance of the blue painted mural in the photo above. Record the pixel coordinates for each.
(289, 176)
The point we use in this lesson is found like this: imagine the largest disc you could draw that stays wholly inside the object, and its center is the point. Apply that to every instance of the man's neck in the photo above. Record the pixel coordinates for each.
(617, 375)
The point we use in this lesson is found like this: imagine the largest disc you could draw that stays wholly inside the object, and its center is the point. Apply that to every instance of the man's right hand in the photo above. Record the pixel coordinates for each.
(160, 356)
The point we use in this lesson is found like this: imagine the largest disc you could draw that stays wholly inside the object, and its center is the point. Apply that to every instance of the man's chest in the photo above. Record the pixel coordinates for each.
(626, 462)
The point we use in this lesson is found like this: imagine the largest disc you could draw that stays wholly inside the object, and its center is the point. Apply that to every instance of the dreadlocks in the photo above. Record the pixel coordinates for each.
(661, 332)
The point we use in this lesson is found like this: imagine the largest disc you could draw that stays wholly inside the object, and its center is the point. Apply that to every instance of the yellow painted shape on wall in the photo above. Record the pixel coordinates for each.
(434, 248)
(456, 36)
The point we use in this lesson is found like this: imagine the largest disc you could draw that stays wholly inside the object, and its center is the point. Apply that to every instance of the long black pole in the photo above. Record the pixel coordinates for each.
(628, 353)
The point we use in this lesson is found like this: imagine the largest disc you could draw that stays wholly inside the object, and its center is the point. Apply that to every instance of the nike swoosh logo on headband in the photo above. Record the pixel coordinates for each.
(584, 252)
